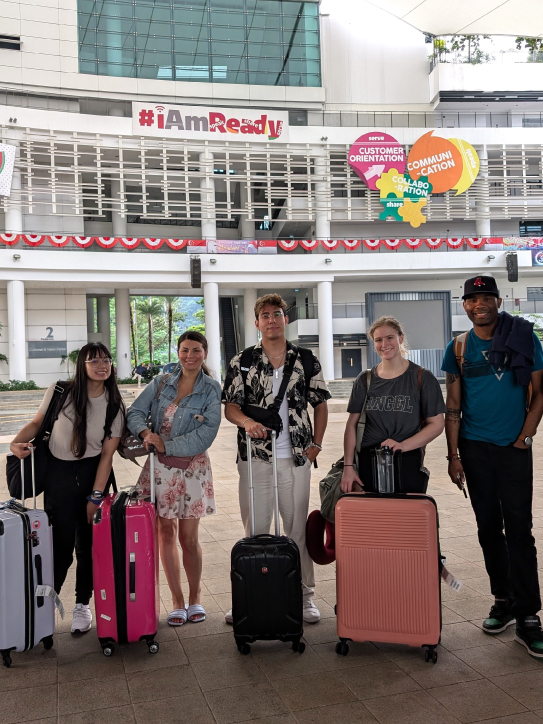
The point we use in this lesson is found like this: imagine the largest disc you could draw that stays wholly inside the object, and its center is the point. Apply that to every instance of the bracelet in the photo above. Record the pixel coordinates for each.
(348, 465)
(244, 421)
(96, 501)
(455, 456)
(315, 444)
(97, 494)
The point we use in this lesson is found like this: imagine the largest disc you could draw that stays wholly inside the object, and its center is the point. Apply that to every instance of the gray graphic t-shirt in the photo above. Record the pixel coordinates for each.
(394, 407)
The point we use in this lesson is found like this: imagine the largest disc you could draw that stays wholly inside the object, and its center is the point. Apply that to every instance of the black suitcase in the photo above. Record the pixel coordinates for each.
(266, 582)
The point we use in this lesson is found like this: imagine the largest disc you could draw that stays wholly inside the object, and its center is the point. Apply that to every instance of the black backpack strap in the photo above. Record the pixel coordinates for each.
(245, 363)
(287, 374)
(306, 357)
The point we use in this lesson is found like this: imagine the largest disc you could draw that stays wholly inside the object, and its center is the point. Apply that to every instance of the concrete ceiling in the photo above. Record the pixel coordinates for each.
(469, 17)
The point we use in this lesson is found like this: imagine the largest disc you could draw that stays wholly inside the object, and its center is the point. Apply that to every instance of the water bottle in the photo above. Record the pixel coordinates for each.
(383, 469)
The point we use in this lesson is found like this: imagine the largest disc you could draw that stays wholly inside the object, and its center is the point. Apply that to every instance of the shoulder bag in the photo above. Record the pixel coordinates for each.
(131, 446)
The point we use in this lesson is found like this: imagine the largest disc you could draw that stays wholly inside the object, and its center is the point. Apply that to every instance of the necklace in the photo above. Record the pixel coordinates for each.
(280, 356)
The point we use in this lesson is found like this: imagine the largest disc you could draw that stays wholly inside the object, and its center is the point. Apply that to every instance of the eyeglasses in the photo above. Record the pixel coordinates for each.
(267, 316)
(98, 361)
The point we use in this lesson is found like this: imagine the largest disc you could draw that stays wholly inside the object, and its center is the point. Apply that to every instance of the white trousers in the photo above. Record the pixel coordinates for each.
(293, 485)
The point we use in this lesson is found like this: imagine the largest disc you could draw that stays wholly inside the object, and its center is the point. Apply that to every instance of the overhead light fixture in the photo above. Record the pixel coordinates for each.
(327, 261)
(212, 261)
(490, 257)
(16, 257)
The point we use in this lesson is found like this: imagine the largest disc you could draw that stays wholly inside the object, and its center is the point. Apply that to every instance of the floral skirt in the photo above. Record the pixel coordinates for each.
(181, 493)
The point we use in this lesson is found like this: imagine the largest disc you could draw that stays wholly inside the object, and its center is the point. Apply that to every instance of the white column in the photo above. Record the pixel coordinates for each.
(326, 333)
(213, 330)
(14, 210)
(16, 331)
(482, 209)
(322, 220)
(104, 324)
(251, 333)
(246, 227)
(90, 315)
(207, 196)
(122, 325)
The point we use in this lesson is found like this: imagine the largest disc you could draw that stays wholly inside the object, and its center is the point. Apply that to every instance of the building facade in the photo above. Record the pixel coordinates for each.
(146, 133)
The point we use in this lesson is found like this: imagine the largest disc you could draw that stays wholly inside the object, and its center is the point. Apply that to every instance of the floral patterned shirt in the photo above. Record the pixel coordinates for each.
(259, 391)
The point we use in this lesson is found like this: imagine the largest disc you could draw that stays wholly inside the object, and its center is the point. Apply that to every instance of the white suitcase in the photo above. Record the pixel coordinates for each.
(26, 561)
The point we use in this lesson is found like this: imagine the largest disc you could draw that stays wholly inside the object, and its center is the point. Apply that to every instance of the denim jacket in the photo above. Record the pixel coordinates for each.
(196, 421)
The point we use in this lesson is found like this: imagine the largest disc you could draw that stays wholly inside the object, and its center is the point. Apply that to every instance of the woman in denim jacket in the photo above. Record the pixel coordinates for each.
(187, 414)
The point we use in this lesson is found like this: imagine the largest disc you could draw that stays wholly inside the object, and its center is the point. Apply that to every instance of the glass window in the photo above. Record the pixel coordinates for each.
(270, 42)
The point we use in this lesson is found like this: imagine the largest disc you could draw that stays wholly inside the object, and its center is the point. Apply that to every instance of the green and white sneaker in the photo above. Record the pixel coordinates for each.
(529, 634)
(499, 618)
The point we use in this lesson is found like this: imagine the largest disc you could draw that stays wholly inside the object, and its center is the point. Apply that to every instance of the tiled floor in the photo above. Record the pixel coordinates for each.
(199, 677)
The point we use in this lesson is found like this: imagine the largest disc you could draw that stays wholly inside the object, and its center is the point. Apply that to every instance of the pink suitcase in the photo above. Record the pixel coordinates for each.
(125, 569)
(388, 571)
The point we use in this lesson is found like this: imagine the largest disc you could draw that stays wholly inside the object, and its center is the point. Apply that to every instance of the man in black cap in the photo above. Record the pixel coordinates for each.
(494, 405)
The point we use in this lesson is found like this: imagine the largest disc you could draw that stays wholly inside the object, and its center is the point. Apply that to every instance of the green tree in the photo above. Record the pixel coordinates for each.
(150, 309)
(200, 316)
(534, 45)
(70, 357)
(173, 316)
(472, 43)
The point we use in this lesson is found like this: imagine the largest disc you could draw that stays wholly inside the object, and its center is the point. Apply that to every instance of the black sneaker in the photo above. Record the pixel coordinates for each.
(499, 618)
(530, 635)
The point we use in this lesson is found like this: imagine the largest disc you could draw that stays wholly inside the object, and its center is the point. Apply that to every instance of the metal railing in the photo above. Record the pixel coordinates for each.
(433, 119)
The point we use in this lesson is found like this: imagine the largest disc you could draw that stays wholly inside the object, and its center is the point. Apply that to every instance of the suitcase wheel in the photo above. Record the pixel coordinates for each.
(153, 647)
(6, 660)
(244, 649)
(430, 655)
(298, 646)
(48, 643)
(108, 649)
(342, 647)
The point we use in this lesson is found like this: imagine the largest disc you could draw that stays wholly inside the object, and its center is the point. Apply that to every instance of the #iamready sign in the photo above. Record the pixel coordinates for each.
(209, 123)
(7, 160)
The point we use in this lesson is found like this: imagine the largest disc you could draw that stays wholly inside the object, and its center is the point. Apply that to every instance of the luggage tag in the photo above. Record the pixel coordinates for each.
(42, 590)
(450, 580)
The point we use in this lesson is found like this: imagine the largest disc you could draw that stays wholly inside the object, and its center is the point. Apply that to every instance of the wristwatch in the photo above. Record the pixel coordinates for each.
(528, 441)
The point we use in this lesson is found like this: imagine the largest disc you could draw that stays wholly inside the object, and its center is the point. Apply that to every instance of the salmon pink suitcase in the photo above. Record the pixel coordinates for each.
(125, 568)
(388, 571)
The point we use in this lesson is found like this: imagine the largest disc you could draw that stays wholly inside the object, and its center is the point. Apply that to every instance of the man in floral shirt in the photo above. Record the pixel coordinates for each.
(297, 446)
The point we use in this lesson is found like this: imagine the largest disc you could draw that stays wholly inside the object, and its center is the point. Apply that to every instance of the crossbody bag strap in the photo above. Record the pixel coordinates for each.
(459, 346)
(361, 426)
(287, 374)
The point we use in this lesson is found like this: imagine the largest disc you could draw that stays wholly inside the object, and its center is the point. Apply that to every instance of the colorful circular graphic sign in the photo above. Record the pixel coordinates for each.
(375, 153)
(438, 159)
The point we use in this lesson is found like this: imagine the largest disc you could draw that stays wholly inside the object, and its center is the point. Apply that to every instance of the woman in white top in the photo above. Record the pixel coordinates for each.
(83, 440)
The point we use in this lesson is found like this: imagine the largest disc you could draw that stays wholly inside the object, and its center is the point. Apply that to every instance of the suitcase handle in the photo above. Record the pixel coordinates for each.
(251, 486)
(39, 576)
(132, 577)
(33, 478)
(152, 471)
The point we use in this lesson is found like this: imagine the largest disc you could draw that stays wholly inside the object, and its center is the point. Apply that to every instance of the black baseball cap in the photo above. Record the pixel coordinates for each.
(481, 285)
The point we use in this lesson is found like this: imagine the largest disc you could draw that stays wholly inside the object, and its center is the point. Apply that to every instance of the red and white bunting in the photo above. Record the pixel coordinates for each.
(309, 244)
(372, 243)
(82, 241)
(412, 243)
(433, 243)
(288, 245)
(351, 244)
(476, 242)
(176, 243)
(59, 240)
(330, 244)
(153, 243)
(454, 243)
(106, 242)
(130, 242)
(33, 239)
(10, 239)
(392, 243)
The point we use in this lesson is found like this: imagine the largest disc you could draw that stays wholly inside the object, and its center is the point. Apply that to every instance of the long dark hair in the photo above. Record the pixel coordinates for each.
(78, 396)
(195, 336)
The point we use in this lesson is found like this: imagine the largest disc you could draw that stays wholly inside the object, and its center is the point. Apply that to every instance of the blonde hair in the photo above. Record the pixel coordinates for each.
(388, 321)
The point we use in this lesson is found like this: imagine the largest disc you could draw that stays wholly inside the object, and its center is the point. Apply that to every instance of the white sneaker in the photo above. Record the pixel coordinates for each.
(82, 620)
(229, 618)
(311, 612)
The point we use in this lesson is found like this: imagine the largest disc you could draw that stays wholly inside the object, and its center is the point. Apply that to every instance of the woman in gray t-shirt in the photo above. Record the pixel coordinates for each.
(401, 395)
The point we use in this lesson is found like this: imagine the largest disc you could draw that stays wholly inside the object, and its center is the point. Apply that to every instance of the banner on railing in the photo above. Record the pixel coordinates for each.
(269, 246)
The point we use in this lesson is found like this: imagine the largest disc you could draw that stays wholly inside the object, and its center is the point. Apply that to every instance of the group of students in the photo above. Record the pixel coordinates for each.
(494, 405)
